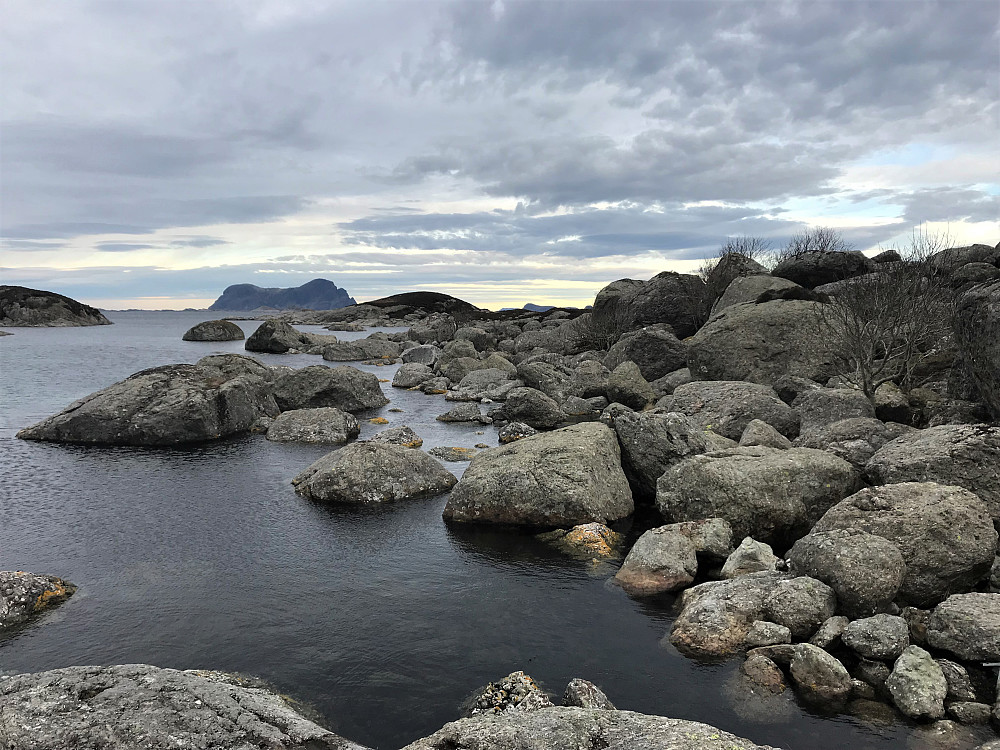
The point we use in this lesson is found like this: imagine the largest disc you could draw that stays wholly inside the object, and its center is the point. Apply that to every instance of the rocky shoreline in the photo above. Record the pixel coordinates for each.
(843, 543)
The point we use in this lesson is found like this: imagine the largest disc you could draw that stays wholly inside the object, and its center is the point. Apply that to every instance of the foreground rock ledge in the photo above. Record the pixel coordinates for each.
(137, 705)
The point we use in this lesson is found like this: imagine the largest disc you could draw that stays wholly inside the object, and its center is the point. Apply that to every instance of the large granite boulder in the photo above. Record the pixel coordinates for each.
(167, 405)
(572, 728)
(321, 425)
(855, 440)
(821, 407)
(944, 533)
(20, 306)
(964, 455)
(727, 407)
(951, 259)
(627, 386)
(761, 343)
(361, 349)
(139, 706)
(563, 478)
(214, 330)
(277, 337)
(411, 375)
(668, 297)
(531, 407)
(345, 387)
(656, 350)
(770, 494)
(24, 595)
(813, 269)
(967, 625)
(373, 472)
(748, 289)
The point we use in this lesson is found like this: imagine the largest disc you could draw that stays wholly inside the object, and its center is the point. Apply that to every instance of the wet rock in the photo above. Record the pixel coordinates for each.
(824, 406)
(468, 412)
(772, 495)
(344, 387)
(828, 634)
(941, 735)
(24, 595)
(945, 534)
(750, 557)
(962, 455)
(425, 354)
(717, 616)
(967, 625)
(516, 692)
(590, 540)
(758, 432)
(453, 454)
(917, 685)
(959, 685)
(370, 348)
(402, 435)
(369, 472)
(764, 673)
(562, 478)
(533, 408)
(277, 337)
(865, 571)
(411, 375)
(627, 386)
(761, 343)
(727, 408)
(879, 637)
(661, 560)
(801, 604)
(854, 440)
(136, 705)
(763, 633)
(819, 677)
(653, 441)
(655, 351)
(167, 405)
(322, 425)
(586, 695)
(515, 431)
(214, 330)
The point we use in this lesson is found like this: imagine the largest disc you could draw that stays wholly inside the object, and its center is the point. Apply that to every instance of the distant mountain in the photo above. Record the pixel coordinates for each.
(20, 306)
(318, 294)
(531, 306)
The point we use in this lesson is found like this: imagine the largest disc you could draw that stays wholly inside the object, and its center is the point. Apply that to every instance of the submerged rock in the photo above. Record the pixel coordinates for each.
(367, 473)
(591, 540)
(23, 595)
(214, 330)
(139, 706)
(661, 560)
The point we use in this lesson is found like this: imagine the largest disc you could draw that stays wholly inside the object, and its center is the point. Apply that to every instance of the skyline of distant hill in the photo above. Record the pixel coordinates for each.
(318, 294)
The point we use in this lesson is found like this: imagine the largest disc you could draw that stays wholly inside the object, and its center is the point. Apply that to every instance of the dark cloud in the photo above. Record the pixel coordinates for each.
(199, 242)
(122, 247)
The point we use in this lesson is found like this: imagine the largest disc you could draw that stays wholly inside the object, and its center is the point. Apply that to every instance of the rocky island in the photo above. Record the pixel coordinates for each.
(23, 307)
(318, 294)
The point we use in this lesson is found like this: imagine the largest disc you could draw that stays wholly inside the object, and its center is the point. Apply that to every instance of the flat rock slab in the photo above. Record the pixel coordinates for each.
(23, 595)
(571, 728)
(141, 706)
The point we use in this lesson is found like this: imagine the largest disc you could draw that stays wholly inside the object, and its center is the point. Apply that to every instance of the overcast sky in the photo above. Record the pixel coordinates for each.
(152, 153)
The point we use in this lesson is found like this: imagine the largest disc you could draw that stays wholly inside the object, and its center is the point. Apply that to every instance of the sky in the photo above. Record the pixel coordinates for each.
(153, 152)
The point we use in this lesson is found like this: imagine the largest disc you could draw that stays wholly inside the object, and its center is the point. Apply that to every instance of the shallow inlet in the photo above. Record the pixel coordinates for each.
(382, 620)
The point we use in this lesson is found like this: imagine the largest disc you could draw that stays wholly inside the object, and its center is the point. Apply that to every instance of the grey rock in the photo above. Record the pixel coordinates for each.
(468, 412)
(425, 354)
(344, 387)
(214, 330)
(321, 425)
(772, 495)
(590, 379)
(892, 405)
(727, 407)
(370, 348)
(968, 712)
(976, 320)
(482, 340)
(716, 617)
(562, 478)
(459, 367)
(401, 435)
(25, 595)
(411, 375)
(764, 633)
(945, 534)
(167, 405)
(627, 386)
(942, 735)
(551, 379)
(967, 625)
(532, 407)
(748, 289)
(277, 337)
(819, 677)
(435, 386)
(515, 693)
(812, 269)
(758, 432)
(435, 327)
(565, 727)
(917, 685)
(959, 685)
(875, 673)
(667, 298)
(763, 673)
(880, 637)
(750, 557)
(661, 560)
(489, 383)
(953, 258)
(801, 604)
(824, 406)
(135, 705)
(586, 694)
(666, 385)
(711, 537)
(20, 306)
(453, 454)
(515, 431)
(854, 440)
(761, 343)
(865, 571)
(368, 473)
(579, 408)
(828, 634)
(964, 455)
(654, 349)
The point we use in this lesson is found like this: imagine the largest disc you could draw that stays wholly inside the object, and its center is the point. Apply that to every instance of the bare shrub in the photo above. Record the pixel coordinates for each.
(884, 324)
(616, 320)
(815, 240)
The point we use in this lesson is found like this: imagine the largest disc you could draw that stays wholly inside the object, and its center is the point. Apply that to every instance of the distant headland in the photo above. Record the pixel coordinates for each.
(318, 294)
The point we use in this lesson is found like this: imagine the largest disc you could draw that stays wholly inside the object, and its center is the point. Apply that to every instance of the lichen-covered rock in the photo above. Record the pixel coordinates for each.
(627, 386)
(516, 692)
(750, 557)
(917, 685)
(490, 383)
(945, 534)
(411, 375)
(854, 440)
(880, 637)
(820, 407)
(749, 288)
(562, 478)
(277, 337)
(452, 453)
(425, 354)
(435, 327)
(762, 672)
(655, 350)
(467, 412)
(532, 407)
(967, 625)
(513, 431)
(214, 330)
(368, 473)
(812, 269)
(628, 304)
(727, 407)
(764, 633)
(661, 560)
(345, 387)
(585, 694)
(140, 706)
(963, 455)
(864, 570)
(322, 425)
(828, 634)
(801, 604)
(370, 348)
(402, 435)
(758, 432)
(588, 540)
(772, 495)
(819, 677)
(23, 595)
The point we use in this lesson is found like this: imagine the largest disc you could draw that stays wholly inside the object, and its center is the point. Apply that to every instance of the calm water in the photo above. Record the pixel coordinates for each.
(383, 620)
